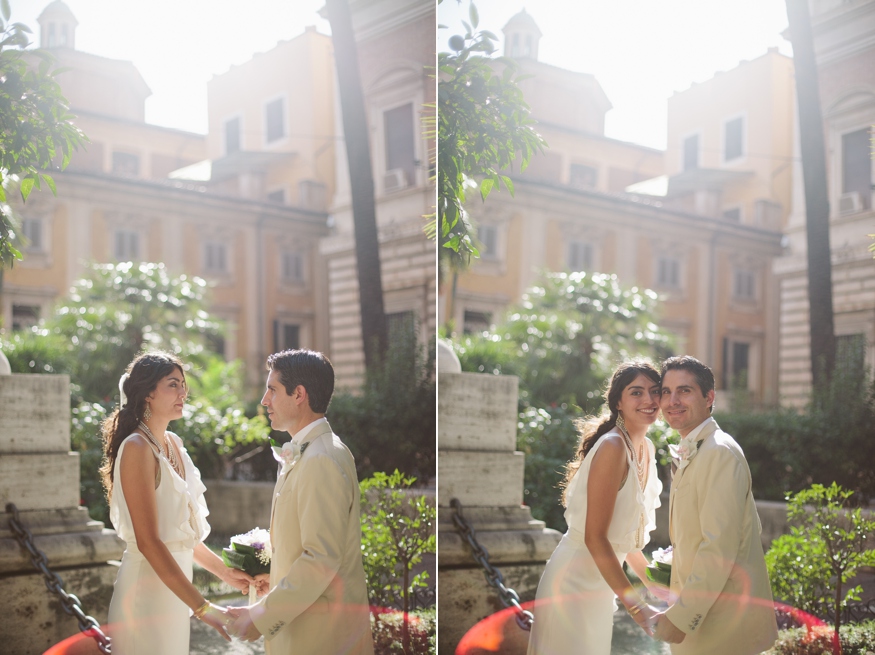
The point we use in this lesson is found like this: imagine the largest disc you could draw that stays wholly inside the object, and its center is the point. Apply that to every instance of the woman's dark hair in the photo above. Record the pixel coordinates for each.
(144, 374)
(592, 428)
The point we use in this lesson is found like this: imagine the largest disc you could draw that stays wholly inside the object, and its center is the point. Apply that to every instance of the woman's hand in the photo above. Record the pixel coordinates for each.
(645, 617)
(238, 579)
(217, 618)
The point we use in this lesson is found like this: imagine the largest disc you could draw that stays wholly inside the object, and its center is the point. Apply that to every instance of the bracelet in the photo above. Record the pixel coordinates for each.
(200, 611)
(635, 610)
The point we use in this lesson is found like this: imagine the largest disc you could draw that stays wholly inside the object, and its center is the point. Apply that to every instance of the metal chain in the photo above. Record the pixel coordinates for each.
(69, 602)
(509, 597)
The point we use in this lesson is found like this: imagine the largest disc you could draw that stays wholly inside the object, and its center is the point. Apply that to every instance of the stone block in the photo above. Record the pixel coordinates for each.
(484, 479)
(47, 481)
(34, 413)
(503, 546)
(477, 411)
(25, 601)
(473, 603)
(63, 550)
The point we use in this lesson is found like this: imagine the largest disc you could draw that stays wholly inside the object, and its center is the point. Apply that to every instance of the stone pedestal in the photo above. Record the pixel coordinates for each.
(41, 476)
(480, 466)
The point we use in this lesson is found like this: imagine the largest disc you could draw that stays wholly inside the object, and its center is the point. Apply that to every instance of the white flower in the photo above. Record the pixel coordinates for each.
(684, 451)
(288, 455)
(663, 555)
(258, 539)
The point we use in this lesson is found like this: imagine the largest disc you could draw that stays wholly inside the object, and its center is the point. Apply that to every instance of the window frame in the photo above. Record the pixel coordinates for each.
(284, 120)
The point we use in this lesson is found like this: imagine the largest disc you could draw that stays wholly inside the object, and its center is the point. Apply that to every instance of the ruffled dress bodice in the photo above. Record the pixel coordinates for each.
(182, 509)
(631, 503)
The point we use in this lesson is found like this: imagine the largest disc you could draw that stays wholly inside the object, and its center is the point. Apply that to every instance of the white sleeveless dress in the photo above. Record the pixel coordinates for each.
(145, 617)
(574, 605)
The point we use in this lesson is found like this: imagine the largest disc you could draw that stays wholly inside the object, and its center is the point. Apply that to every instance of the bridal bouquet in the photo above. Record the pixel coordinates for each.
(250, 553)
(659, 570)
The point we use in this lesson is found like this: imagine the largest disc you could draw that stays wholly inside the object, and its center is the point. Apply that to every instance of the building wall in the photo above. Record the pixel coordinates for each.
(396, 48)
(844, 34)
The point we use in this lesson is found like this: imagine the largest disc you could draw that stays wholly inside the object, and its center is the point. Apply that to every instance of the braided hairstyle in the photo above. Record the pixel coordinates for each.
(592, 428)
(144, 374)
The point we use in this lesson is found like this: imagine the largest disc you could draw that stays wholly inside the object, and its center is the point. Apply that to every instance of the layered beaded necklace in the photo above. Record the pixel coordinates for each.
(641, 474)
(171, 451)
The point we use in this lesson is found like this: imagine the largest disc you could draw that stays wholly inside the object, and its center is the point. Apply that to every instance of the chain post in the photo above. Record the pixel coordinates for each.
(88, 625)
(508, 597)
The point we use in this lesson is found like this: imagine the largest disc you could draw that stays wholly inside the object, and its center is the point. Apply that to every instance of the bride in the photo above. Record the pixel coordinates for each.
(156, 504)
(611, 495)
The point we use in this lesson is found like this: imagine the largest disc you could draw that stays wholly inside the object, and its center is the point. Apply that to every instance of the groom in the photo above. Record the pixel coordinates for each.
(723, 600)
(318, 601)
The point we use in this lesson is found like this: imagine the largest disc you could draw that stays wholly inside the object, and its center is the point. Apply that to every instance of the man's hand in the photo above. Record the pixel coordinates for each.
(262, 583)
(242, 627)
(667, 631)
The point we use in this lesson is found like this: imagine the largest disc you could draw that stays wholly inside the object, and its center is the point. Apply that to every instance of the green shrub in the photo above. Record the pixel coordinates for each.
(810, 567)
(391, 424)
(855, 639)
(828, 442)
(387, 629)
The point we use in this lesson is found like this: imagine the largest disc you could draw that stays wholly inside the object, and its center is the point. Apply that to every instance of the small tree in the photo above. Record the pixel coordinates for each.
(484, 127)
(36, 130)
(397, 530)
(810, 567)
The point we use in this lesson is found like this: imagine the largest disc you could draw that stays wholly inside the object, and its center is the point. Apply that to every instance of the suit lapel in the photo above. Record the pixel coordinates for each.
(315, 433)
(707, 432)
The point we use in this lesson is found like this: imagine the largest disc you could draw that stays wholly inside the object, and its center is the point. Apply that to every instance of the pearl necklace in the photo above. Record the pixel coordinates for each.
(171, 451)
(641, 473)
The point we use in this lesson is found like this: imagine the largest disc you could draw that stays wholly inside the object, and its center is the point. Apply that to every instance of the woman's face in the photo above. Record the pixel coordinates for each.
(168, 398)
(639, 403)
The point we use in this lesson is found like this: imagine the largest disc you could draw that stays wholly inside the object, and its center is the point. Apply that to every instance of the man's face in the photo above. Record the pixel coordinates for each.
(282, 410)
(681, 401)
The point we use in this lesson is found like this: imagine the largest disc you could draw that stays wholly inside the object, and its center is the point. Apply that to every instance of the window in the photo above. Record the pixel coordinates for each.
(736, 364)
(287, 336)
(857, 167)
(278, 196)
(127, 245)
(64, 36)
(52, 35)
(232, 135)
(32, 231)
(292, 266)
(400, 153)
(580, 256)
(583, 177)
(733, 139)
(487, 235)
(668, 273)
(124, 163)
(24, 316)
(312, 195)
(743, 284)
(690, 150)
(733, 214)
(474, 322)
(215, 257)
(274, 120)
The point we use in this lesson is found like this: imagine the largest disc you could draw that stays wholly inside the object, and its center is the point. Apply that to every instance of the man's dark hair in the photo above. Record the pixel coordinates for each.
(308, 368)
(704, 375)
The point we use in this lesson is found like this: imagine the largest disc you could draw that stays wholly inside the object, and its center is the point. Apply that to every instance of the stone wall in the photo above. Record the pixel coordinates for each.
(40, 475)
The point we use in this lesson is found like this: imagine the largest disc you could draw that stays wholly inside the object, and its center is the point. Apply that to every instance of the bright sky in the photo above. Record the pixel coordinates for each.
(640, 51)
(178, 45)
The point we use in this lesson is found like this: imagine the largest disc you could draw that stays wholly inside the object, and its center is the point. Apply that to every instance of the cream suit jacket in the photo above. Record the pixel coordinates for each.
(724, 600)
(318, 600)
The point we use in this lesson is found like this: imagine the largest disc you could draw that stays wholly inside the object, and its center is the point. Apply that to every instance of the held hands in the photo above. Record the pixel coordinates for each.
(645, 616)
(262, 583)
(665, 630)
(242, 626)
(217, 618)
(239, 580)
